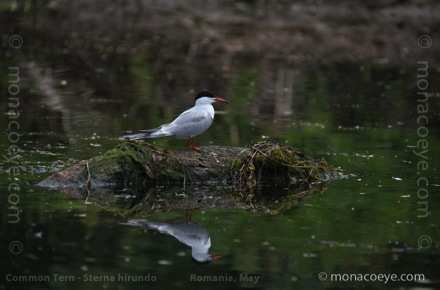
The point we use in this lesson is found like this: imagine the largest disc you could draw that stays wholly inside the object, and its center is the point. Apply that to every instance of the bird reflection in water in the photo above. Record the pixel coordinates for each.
(186, 231)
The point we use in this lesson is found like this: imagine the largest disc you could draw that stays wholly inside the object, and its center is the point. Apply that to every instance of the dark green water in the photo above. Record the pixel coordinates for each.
(360, 117)
(371, 223)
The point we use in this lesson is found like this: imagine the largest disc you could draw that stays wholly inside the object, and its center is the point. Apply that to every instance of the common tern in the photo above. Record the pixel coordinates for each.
(187, 232)
(189, 124)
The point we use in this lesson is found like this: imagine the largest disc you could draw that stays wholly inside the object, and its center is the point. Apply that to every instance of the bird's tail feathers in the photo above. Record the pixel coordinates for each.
(143, 134)
(136, 136)
(144, 223)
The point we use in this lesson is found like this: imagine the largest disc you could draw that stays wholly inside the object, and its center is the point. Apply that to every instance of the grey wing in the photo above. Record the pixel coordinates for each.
(190, 123)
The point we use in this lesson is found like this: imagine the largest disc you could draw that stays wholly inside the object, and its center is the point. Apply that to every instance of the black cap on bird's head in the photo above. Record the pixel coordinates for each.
(204, 93)
(207, 94)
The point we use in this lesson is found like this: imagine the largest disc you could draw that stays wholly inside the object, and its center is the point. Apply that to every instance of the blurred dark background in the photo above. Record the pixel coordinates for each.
(129, 57)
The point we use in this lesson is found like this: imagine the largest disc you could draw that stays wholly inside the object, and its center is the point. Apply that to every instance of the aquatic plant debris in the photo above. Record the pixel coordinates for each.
(195, 179)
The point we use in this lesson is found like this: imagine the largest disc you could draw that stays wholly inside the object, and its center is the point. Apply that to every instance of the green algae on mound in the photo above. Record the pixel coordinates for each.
(138, 170)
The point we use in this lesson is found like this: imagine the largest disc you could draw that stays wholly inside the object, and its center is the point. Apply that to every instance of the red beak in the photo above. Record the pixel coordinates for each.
(221, 100)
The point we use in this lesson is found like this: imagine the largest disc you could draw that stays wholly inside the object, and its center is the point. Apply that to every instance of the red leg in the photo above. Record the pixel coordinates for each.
(189, 142)
(194, 145)
(189, 213)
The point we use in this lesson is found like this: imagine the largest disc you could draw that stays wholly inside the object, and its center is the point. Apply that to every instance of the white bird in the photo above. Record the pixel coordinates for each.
(189, 124)
(187, 232)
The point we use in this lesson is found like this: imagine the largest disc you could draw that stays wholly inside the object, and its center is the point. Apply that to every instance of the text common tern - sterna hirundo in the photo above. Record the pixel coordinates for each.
(189, 124)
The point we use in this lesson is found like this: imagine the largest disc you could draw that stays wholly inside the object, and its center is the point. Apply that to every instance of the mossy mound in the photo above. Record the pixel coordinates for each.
(266, 161)
(140, 175)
